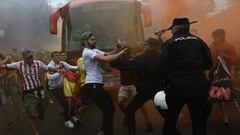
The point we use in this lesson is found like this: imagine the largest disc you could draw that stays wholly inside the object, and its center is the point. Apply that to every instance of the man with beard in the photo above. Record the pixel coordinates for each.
(94, 84)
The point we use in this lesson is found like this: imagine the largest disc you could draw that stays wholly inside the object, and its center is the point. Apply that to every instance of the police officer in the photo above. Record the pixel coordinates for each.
(183, 61)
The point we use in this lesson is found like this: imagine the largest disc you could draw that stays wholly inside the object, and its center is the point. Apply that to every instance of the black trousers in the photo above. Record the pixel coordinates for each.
(62, 100)
(86, 100)
(197, 108)
(138, 100)
(104, 102)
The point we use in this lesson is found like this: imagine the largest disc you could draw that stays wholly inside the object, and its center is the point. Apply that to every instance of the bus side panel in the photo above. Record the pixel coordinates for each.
(53, 19)
(146, 11)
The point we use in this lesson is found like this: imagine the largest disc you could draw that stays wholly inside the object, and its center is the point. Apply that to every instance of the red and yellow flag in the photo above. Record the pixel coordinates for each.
(71, 87)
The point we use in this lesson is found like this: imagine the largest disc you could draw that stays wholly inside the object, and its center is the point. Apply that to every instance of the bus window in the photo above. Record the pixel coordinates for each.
(106, 22)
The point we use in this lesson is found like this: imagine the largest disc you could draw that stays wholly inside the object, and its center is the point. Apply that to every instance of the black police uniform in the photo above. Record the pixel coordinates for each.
(183, 60)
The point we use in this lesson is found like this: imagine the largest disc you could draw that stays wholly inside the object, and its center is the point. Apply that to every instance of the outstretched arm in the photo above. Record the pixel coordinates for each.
(68, 66)
(5, 60)
(116, 50)
(46, 68)
(14, 65)
(2, 67)
(118, 47)
(109, 57)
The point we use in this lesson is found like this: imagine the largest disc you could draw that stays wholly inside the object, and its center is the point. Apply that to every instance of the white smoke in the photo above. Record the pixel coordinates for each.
(219, 6)
(57, 3)
(25, 24)
(2, 33)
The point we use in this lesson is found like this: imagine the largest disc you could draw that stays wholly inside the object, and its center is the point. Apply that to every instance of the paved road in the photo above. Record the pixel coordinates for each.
(53, 124)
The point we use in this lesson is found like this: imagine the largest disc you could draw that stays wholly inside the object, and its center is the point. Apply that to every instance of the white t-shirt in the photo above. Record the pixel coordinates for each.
(56, 79)
(94, 74)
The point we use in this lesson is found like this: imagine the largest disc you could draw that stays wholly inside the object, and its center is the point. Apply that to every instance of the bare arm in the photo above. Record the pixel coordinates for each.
(116, 50)
(109, 57)
(68, 66)
(2, 67)
(5, 60)
(14, 65)
(118, 47)
(46, 68)
(3, 72)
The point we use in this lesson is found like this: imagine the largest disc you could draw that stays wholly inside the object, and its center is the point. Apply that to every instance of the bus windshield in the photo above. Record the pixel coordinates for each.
(107, 20)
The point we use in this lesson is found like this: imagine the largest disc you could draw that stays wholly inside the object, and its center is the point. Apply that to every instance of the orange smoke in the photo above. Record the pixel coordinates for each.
(226, 17)
(172, 9)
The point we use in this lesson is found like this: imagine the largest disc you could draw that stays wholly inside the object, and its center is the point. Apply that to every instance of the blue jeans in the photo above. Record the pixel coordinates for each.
(4, 100)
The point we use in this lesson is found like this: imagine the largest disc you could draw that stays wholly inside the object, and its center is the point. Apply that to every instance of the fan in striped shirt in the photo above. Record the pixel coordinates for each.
(29, 71)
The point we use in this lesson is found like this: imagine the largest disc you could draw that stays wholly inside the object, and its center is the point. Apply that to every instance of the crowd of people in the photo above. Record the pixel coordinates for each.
(179, 65)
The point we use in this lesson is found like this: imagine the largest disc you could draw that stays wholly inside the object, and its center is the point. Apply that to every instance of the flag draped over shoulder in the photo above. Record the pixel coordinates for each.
(72, 83)
(71, 87)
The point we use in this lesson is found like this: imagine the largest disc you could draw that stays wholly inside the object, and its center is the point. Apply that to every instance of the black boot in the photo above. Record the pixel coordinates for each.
(132, 132)
(178, 129)
(149, 127)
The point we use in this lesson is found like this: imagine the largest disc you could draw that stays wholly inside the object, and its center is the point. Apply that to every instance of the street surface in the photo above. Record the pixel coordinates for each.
(53, 123)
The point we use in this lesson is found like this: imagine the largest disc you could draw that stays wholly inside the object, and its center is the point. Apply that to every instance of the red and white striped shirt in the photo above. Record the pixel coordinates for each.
(30, 74)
